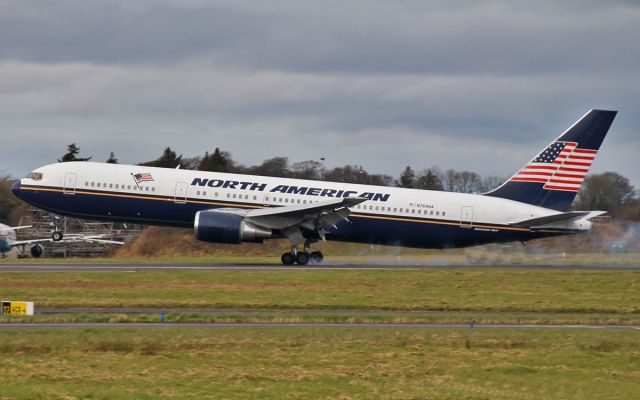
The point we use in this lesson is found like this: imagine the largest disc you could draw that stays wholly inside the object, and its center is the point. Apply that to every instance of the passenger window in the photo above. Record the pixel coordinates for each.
(117, 186)
(86, 183)
(146, 189)
(437, 212)
(443, 214)
(198, 193)
(255, 197)
(228, 195)
(431, 212)
(246, 197)
(395, 209)
(304, 202)
(413, 211)
(128, 187)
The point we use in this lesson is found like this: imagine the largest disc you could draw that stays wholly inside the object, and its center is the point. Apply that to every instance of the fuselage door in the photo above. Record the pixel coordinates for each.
(181, 193)
(69, 183)
(466, 217)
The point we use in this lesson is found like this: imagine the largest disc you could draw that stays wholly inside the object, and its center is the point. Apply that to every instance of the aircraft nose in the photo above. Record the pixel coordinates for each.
(15, 189)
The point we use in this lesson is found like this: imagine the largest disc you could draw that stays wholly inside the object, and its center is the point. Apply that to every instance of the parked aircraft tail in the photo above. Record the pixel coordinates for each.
(552, 179)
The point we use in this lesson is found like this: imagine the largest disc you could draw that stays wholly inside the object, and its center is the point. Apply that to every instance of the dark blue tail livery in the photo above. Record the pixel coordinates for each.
(552, 179)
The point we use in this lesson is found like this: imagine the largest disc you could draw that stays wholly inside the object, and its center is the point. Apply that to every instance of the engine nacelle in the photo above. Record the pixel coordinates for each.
(217, 227)
(37, 250)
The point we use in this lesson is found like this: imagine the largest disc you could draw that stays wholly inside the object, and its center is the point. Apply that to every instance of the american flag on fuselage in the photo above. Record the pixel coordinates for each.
(143, 177)
(561, 166)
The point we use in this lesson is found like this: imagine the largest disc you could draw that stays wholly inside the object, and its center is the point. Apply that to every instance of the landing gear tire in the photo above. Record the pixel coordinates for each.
(288, 258)
(302, 258)
(316, 257)
(56, 236)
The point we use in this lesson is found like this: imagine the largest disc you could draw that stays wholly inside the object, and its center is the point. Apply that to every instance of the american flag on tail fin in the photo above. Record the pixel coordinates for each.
(561, 166)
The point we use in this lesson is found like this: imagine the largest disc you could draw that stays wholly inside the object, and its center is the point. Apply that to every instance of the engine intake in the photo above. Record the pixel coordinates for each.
(217, 227)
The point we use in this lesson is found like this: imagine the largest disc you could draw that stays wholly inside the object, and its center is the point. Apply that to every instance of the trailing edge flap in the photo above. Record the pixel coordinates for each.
(305, 215)
(557, 218)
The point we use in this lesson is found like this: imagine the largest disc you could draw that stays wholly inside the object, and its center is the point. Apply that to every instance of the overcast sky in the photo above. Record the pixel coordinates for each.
(479, 86)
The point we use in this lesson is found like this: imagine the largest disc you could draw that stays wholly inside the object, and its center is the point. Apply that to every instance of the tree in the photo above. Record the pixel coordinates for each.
(356, 174)
(608, 191)
(72, 154)
(276, 166)
(461, 181)
(11, 208)
(219, 161)
(168, 159)
(112, 159)
(307, 170)
(428, 180)
(407, 178)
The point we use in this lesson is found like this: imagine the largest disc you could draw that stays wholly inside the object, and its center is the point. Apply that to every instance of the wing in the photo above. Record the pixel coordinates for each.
(80, 238)
(30, 241)
(15, 228)
(294, 221)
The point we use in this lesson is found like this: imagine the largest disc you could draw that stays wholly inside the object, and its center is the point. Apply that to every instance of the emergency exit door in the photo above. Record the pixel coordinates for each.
(69, 186)
(181, 193)
(466, 217)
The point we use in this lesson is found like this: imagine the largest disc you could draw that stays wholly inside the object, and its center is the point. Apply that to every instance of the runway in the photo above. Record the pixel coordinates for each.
(99, 267)
(40, 326)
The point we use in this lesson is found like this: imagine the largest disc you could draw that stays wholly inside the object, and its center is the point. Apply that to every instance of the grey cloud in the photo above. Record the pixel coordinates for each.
(354, 37)
(467, 85)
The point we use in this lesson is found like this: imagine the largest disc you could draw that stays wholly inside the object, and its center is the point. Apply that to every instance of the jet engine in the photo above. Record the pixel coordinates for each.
(218, 227)
(37, 250)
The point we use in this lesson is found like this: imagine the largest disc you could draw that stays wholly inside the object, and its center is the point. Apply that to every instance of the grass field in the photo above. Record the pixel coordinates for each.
(327, 363)
(469, 289)
(301, 363)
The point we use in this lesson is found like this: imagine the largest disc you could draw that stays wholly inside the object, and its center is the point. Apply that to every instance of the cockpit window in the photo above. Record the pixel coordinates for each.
(36, 176)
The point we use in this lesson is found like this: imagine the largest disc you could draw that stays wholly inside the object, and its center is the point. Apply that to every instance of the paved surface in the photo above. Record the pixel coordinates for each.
(288, 326)
(71, 267)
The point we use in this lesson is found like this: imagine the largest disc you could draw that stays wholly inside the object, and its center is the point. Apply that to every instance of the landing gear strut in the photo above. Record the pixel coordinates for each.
(302, 257)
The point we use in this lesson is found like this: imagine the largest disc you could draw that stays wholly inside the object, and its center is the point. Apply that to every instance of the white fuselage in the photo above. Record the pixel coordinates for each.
(172, 196)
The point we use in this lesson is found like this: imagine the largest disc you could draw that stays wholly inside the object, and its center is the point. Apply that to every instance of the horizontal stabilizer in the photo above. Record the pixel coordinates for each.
(556, 218)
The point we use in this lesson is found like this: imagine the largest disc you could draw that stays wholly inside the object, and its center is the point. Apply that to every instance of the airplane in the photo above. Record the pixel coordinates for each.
(233, 208)
(8, 240)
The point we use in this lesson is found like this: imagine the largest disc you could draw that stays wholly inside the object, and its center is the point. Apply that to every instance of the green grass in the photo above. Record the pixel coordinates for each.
(300, 363)
(486, 290)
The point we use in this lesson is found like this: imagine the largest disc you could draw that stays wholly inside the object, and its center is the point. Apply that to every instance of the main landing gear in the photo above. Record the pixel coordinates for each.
(301, 257)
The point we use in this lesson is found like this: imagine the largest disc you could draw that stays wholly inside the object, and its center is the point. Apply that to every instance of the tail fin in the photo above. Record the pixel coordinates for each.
(552, 179)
